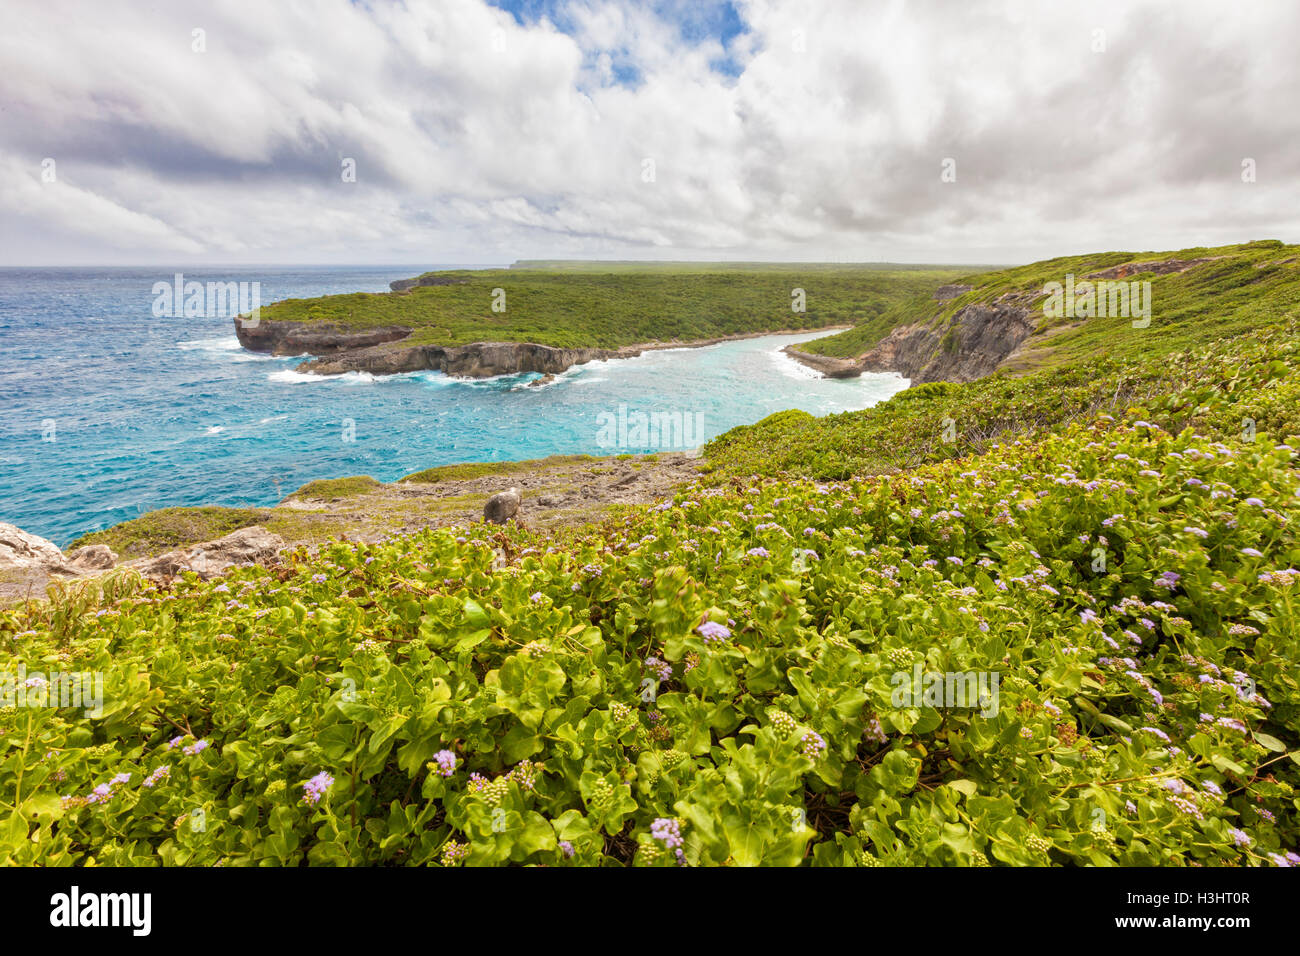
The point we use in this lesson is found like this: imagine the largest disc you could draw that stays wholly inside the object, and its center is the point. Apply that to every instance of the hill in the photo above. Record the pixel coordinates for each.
(1043, 617)
(454, 321)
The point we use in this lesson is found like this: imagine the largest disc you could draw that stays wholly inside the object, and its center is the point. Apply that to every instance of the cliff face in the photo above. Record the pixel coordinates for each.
(476, 360)
(295, 338)
(977, 340)
(337, 351)
(403, 285)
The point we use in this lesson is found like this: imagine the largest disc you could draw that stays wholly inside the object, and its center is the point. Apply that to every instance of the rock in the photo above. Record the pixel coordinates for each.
(312, 338)
(951, 291)
(977, 340)
(92, 557)
(544, 380)
(1162, 268)
(502, 506)
(210, 558)
(828, 365)
(20, 551)
(404, 285)
(475, 360)
(548, 501)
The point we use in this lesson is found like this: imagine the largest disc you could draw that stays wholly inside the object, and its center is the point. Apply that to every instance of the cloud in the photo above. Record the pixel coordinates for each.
(776, 130)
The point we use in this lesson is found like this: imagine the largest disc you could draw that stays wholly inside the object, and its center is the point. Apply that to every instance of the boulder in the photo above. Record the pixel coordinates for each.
(210, 558)
(92, 557)
(502, 506)
(20, 551)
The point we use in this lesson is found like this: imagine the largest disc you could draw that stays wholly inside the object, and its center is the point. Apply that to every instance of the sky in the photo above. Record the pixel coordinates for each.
(463, 131)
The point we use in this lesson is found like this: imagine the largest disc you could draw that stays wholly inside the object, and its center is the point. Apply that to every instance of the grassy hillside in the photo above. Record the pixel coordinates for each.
(618, 306)
(1041, 620)
(729, 666)
(1221, 349)
(1243, 285)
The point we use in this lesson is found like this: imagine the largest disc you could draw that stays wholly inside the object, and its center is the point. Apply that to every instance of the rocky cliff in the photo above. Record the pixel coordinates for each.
(476, 360)
(320, 338)
(379, 351)
(970, 345)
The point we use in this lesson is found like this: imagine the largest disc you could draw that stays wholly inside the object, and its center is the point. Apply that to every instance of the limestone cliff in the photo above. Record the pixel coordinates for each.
(972, 344)
(380, 352)
(476, 360)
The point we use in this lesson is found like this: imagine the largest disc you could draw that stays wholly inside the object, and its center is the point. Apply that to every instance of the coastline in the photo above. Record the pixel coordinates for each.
(380, 351)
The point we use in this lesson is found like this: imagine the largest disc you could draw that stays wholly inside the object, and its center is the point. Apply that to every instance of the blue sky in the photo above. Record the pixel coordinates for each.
(697, 22)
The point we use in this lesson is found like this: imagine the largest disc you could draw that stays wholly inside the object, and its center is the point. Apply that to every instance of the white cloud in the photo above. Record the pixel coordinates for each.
(479, 139)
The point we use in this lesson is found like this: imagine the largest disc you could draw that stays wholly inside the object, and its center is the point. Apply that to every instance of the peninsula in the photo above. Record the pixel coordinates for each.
(547, 317)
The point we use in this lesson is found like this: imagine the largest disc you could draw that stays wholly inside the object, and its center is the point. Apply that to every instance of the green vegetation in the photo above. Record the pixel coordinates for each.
(613, 307)
(1047, 619)
(335, 488)
(732, 666)
(1248, 285)
(170, 528)
(479, 469)
(1221, 348)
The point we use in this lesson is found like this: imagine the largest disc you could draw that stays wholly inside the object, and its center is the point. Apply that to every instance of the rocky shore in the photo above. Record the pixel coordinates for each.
(380, 351)
(548, 493)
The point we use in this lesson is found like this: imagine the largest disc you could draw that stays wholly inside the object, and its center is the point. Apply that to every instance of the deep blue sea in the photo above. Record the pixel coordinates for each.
(107, 411)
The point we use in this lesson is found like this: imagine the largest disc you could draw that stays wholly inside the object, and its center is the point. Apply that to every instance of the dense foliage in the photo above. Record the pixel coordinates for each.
(715, 676)
(617, 307)
(1225, 291)
(1240, 385)
(1047, 619)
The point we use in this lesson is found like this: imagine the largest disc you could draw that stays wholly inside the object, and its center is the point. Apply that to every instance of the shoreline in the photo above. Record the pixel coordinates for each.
(381, 352)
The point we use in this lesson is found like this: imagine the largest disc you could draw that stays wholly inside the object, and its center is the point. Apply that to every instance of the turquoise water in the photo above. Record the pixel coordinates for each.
(150, 412)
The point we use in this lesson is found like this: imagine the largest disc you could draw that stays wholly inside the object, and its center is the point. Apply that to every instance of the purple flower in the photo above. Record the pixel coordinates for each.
(668, 830)
(662, 669)
(315, 788)
(100, 794)
(758, 553)
(566, 848)
(813, 744)
(446, 761)
(713, 632)
(159, 774)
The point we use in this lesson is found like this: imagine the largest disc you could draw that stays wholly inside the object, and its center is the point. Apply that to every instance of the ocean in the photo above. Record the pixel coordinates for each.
(107, 411)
